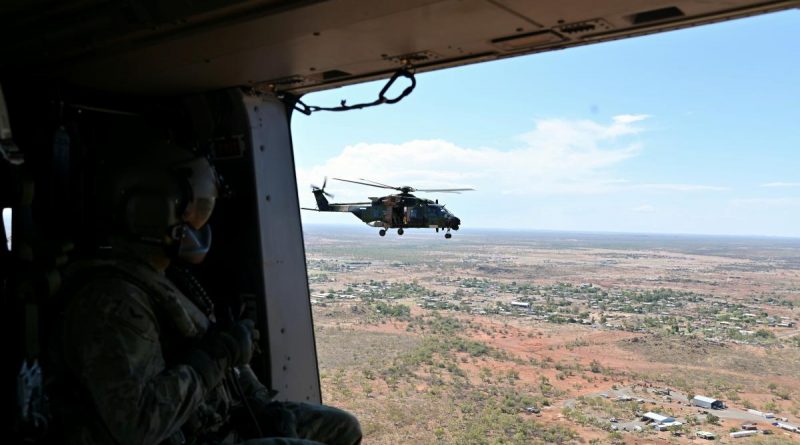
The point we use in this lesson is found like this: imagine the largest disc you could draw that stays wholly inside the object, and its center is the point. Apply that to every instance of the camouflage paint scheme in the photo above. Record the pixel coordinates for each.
(394, 211)
(123, 334)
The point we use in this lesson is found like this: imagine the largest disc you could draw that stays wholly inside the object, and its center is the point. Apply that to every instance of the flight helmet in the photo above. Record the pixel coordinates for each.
(164, 196)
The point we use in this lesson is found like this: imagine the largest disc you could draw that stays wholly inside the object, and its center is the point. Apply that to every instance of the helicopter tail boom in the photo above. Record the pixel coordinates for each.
(322, 202)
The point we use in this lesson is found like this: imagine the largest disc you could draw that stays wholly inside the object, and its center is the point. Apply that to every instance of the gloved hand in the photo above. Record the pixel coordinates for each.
(222, 349)
(236, 343)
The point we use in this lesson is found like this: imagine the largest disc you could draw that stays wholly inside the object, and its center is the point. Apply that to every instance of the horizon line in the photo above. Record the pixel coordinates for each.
(587, 232)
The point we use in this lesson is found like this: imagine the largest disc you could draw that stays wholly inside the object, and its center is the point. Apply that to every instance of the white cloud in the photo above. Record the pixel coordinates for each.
(781, 184)
(646, 208)
(785, 202)
(682, 187)
(630, 118)
(558, 157)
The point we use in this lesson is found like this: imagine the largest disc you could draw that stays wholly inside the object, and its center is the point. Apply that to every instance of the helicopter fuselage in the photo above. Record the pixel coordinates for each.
(399, 211)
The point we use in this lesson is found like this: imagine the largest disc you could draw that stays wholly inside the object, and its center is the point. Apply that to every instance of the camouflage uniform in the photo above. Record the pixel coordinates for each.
(124, 329)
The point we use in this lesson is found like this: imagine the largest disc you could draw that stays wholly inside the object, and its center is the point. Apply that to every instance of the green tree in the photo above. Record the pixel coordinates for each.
(676, 430)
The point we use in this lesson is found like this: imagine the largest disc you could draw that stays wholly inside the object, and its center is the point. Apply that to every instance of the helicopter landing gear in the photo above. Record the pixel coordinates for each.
(400, 231)
(448, 236)
(382, 232)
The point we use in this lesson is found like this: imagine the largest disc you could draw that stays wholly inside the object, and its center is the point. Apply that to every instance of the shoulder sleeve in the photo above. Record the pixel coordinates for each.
(111, 344)
(250, 384)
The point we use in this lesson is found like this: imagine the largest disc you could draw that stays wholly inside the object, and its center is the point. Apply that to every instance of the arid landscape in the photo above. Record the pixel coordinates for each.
(545, 337)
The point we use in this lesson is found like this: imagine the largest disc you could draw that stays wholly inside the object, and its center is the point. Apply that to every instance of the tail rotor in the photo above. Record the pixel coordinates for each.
(315, 188)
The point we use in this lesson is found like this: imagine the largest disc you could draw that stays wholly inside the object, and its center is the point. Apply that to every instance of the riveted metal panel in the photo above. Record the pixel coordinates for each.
(308, 45)
(293, 356)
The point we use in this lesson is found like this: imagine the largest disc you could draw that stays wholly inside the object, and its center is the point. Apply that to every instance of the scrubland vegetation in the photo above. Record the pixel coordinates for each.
(498, 341)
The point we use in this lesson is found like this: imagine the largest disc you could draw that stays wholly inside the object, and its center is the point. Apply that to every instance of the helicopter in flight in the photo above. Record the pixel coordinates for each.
(400, 211)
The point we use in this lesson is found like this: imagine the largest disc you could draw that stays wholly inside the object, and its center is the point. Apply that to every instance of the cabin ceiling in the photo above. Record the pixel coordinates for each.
(158, 47)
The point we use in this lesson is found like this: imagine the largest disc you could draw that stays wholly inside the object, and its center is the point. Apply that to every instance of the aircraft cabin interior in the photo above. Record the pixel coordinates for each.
(225, 78)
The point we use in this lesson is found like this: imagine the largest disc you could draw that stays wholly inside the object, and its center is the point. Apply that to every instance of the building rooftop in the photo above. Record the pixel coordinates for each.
(659, 418)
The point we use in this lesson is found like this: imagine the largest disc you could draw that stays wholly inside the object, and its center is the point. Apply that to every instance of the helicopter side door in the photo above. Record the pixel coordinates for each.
(416, 216)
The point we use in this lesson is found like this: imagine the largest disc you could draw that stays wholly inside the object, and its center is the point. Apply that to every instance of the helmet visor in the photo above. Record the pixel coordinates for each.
(204, 188)
(199, 212)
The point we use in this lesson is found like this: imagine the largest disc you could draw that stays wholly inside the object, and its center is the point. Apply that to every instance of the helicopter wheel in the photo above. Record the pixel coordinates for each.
(400, 231)
(382, 232)
(448, 235)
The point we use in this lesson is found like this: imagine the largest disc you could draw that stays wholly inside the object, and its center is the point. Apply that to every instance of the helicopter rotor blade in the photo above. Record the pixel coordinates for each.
(378, 183)
(445, 190)
(405, 189)
(322, 189)
(366, 183)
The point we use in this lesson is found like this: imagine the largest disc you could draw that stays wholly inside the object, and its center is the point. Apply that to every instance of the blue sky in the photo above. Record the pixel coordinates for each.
(693, 131)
